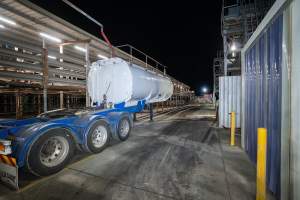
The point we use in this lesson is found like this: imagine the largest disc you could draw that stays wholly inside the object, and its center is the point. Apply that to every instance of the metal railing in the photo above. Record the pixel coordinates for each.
(147, 57)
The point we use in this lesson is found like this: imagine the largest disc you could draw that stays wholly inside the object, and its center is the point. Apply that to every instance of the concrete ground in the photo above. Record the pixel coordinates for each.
(178, 156)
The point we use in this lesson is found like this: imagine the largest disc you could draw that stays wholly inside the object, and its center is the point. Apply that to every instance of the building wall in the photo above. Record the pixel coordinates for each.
(295, 100)
(289, 99)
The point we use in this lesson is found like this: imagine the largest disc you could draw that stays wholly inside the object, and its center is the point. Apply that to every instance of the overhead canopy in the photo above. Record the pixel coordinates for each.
(21, 47)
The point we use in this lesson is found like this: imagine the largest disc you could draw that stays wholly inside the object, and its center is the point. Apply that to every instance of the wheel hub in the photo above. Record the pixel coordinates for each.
(124, 128)
(54, 151)
(99, 136)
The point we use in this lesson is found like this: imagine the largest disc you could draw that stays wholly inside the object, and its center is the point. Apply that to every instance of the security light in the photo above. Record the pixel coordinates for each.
(233, 47)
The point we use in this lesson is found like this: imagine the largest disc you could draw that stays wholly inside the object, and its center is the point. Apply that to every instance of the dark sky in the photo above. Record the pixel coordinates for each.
(183, 35)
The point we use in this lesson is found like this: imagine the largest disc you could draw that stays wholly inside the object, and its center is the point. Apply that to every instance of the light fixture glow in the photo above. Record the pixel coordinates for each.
(61, 49)
(233, 47)
(52, 57)
(80, 48)
(50, 37)
(1, 26)
(8, 21)
(102, 57)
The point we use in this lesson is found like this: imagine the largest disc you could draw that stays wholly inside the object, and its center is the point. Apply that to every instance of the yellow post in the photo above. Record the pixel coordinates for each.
(232, 129)
(261, 164)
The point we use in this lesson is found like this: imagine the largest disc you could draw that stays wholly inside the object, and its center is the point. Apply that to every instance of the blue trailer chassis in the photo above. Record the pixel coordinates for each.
(23, 133)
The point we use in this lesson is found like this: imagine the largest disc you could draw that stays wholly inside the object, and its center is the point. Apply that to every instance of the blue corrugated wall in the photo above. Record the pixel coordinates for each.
(263, 62)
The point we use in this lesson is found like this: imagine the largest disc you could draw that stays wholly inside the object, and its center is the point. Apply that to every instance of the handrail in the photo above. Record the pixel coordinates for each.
(146, 56)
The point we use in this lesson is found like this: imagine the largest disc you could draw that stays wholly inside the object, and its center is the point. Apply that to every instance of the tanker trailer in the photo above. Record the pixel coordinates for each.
(45, 144)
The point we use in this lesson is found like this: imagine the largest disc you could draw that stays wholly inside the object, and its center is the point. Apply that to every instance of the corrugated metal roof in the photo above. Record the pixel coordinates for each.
(31, 20)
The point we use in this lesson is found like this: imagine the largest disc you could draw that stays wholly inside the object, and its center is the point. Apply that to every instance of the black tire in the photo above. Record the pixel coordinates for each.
(90, 137)
(121, 135)
(35, 158)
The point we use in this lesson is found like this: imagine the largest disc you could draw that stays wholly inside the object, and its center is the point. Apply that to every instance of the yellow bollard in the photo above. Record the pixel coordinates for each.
(232, 129)
(261, 164)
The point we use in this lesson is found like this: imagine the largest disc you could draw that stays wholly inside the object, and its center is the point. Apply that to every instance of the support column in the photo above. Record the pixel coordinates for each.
(151, 111)
(39, 104)
(5, 107)
(61, 99)
(68, 101)
(225, 54)
(19, 106)
(87, 62)
(45, 75)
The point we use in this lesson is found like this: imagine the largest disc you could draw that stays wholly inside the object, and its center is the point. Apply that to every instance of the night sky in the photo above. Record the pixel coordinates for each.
(183, 35)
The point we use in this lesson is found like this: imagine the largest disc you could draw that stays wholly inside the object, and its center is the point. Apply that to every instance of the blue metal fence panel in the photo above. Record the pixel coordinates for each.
(263, 62)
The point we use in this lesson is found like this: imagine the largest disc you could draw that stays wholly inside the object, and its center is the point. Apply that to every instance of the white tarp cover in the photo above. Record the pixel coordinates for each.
(124, 82)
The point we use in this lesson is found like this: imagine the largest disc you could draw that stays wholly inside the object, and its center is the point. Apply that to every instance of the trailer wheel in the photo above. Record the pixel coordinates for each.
(50, 153)
(124, 128)
(98, 137)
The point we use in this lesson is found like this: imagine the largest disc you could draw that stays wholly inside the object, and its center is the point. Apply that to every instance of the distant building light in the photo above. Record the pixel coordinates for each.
(52, 57)
(8, 21)
(1, 26)
(80, 48)
(204, 90)
(102, 57)
(50, 37)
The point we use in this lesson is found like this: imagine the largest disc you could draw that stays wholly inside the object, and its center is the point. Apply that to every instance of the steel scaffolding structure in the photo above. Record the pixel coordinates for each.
(239, 19)
(218, 69)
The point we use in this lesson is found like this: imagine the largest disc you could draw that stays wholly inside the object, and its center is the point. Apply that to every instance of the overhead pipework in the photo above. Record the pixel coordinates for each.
(93, 20)
(121, 82)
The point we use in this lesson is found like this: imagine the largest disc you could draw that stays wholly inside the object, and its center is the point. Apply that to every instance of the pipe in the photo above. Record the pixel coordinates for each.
(93, 20)
(83, 13)
(108, 42)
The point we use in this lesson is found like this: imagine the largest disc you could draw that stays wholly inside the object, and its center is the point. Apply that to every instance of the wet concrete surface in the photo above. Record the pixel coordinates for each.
(179, 155)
